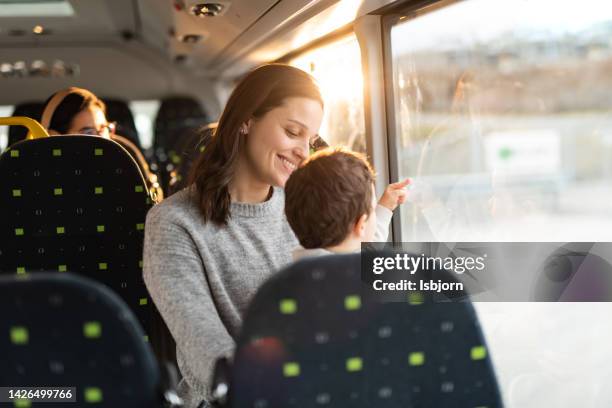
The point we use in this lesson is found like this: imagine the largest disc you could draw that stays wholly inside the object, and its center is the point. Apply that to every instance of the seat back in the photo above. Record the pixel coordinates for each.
(63, 330)
(313, 336)
(76, 204)
(185, 152)
(120, 112)
(175, 115)
(156, 193)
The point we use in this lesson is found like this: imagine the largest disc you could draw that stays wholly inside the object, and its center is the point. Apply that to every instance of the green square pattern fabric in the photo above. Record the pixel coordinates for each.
(314, 337)
(75, 204)
(65, 330)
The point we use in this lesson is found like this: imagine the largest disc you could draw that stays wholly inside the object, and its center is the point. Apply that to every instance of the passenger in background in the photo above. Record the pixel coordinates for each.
(330, 203)
(76, 111)
(209, 247)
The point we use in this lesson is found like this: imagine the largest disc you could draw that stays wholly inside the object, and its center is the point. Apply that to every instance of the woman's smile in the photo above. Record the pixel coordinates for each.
(287, 164)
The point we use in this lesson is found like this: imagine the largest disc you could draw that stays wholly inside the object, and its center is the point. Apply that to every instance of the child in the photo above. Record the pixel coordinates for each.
(330, 203)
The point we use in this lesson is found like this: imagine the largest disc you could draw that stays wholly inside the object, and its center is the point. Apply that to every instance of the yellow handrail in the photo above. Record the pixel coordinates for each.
(35, 129)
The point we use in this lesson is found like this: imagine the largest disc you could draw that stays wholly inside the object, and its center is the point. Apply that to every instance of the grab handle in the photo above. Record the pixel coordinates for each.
(35, 129)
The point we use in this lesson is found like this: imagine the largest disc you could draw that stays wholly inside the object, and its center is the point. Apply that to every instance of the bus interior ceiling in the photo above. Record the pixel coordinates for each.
(150, 49)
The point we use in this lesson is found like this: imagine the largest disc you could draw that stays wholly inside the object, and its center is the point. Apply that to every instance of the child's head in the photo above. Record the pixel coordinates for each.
(330, 199)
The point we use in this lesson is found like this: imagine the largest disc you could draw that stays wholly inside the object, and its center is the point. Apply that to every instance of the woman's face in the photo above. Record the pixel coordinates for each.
(90, 121)
(279, 141)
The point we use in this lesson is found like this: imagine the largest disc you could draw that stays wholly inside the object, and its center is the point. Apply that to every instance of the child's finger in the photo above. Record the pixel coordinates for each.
(400, 184)
(406, 182)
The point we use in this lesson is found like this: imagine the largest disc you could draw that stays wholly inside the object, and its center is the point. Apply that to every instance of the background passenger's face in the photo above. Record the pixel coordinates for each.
(278, 142)
(90, 121)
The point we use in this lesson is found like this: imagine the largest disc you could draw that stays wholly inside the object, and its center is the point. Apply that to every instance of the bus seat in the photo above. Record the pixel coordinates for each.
(163, 342)
(75, 203)
(65, 330)
(119, 111)
(174, 115)
(151, 178)
(189, 145)
(314, 336)
(30, 110)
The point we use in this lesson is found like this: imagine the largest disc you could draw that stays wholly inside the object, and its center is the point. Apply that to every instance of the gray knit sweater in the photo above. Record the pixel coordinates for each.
(202, 277)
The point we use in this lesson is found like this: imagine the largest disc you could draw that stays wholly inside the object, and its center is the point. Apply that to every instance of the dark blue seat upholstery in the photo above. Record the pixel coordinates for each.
(76, 204)
(188, 147)
(313, 337)
(63, 330)
(119, 111)
(175, 115)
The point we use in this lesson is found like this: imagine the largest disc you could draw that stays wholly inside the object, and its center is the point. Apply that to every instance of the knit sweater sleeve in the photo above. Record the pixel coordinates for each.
(175, 277)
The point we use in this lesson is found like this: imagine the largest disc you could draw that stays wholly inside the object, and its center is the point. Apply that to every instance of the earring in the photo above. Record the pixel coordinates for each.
(243, 130)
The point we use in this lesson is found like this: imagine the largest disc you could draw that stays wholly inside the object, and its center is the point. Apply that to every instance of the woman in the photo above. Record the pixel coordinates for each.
(209, 247)
(76, 111)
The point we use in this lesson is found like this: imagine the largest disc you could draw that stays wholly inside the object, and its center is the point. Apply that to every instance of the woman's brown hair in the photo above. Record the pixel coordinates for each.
(61, 108)
(259, 92)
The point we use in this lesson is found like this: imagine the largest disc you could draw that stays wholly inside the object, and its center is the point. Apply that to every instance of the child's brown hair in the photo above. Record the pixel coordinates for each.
(327, 194)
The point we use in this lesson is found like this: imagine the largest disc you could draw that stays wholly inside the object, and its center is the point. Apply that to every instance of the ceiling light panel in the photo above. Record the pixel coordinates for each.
(36, 8)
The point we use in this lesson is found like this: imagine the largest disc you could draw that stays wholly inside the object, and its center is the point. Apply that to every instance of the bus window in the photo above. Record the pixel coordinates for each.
(337, 68)
(503, 120)
(5, 111)
(144, 118)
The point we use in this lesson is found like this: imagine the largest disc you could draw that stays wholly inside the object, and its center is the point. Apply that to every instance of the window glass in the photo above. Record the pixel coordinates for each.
(5, 111)
(503, 114)
(337, 68)
(144, 117)
(503, 120)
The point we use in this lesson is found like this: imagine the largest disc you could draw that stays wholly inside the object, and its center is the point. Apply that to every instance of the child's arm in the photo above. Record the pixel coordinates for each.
(394, 195)
(383, 220)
